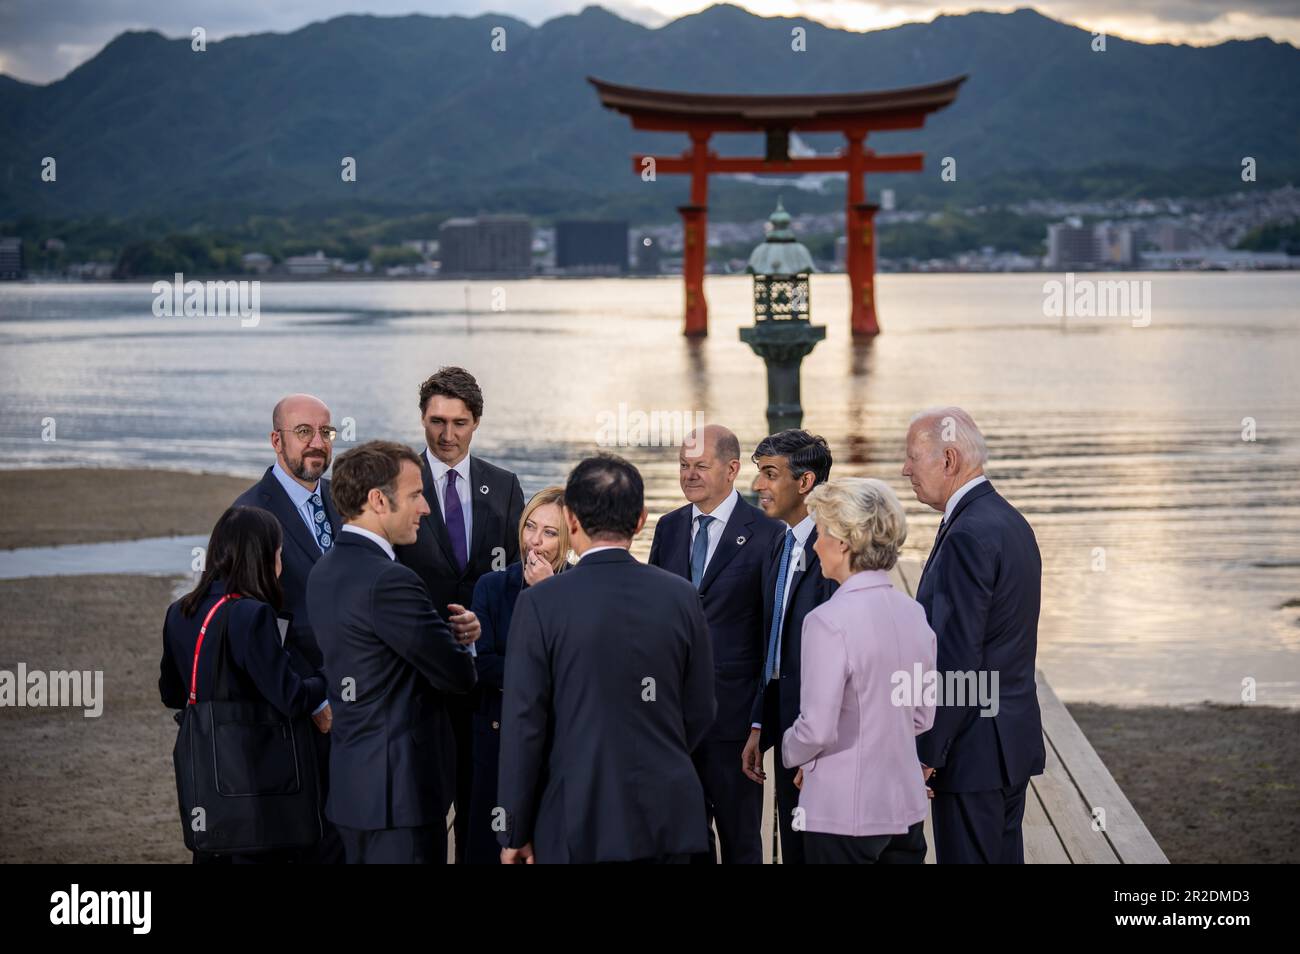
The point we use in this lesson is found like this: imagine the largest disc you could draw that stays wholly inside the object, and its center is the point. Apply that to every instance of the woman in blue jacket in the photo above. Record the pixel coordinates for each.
(544, 551)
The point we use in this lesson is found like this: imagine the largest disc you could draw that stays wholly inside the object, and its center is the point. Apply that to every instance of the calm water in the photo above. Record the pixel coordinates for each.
(1105, 435)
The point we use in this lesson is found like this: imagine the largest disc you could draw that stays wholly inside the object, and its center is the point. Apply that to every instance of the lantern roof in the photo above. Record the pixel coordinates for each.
(780, 253)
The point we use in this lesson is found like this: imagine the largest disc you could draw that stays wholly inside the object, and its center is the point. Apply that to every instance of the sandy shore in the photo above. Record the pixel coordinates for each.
(49, 507)
(1212, 783)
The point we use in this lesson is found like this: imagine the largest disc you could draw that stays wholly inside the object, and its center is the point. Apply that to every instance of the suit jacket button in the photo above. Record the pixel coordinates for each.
(496, 725)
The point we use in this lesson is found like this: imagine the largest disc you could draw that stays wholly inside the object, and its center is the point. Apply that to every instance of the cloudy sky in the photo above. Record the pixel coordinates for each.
(41, 40)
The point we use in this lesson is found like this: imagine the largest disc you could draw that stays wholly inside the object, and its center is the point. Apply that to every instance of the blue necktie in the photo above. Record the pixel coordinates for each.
(778, 610)
(700, 548)
(455, 519)
(320, 524)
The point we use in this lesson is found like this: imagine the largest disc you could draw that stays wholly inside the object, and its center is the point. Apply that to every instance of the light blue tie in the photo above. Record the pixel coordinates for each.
(320, 524)
(700, 548)
(778, 611)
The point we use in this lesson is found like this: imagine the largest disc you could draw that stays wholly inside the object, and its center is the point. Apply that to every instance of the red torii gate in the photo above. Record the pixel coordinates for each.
(700, 115)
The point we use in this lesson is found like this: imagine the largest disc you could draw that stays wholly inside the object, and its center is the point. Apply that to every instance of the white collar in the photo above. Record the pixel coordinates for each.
(803, 529)
(606, 546)
(439, 470)
(960, 492)
(372, 537)
(722, 512)
(298, 494)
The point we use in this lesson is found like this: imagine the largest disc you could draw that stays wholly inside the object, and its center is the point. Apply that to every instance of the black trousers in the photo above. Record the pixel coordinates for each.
(395, 846)
(908, 848)
(979, 827)
(460, 709)
(787, 796)
(732, 802)
(482, 847)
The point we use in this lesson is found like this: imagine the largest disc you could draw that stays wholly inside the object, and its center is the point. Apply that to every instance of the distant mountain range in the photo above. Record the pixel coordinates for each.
(438, 120)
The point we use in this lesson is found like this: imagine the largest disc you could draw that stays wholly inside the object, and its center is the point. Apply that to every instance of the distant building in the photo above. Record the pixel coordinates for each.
(257, 262)
(1072, 246)
(1172, 237)
(11, 258)
(486, 244)
(649, 255)
(591, 247)
(54, 245)
(426, 247)
(316, 264)
(1116, 245)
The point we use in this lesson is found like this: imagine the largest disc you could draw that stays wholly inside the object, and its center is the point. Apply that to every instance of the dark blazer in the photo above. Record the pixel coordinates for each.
(732, 593)
(595, 758)
(808, 590)
(298, 555)
(494, 524)
(494, 605)
(980, 590)
(261, 672)
(392, 756)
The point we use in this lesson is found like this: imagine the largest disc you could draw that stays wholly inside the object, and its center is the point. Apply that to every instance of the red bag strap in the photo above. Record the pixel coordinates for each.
(194, 673)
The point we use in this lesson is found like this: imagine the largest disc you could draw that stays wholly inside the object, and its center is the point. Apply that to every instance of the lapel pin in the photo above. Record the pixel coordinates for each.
(483, 489)
(740, 541)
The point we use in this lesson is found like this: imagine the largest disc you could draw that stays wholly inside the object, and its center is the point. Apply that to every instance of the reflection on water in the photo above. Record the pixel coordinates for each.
(1171, 545)
(155, 556)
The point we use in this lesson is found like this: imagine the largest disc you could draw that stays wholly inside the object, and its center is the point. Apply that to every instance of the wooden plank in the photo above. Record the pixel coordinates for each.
(1042, 843)
(1128, 836)
(910, 571)
(1070, 816)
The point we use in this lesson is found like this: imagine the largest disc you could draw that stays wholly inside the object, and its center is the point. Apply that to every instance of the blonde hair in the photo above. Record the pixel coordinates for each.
(866, 514)
(547, 495)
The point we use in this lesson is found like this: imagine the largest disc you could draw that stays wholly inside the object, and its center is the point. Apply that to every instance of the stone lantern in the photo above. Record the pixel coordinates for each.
(782, 334)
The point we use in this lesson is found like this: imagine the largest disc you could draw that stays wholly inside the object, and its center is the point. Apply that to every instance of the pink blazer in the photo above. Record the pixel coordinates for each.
(861, 775)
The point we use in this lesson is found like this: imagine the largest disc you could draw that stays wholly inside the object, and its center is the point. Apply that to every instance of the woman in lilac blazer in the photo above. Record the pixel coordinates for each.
(862, 795)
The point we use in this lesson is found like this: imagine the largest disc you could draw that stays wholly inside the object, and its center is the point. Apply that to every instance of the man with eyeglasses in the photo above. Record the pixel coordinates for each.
(294, 491)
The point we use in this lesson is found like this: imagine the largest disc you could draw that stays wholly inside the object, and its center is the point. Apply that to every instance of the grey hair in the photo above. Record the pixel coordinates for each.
(951, 425)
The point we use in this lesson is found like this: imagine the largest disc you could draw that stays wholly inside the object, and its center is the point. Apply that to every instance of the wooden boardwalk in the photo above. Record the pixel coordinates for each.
(1074, 811)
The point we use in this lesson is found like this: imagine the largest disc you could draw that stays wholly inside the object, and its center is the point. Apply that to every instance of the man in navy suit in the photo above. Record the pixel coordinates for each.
(720, 542)
(296, 493)
(790, 464)
(980, 589)
(472, 528)
(389, 657)
(608, 689)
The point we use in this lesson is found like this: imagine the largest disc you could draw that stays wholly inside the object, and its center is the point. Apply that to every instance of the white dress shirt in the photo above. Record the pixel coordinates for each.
(372, 537)
(960, 492)
(721, 514)
(299, 497)
(802, 530)
(464, 491)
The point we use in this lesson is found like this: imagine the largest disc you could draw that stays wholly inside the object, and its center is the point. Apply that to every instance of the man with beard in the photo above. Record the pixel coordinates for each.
(296, 494)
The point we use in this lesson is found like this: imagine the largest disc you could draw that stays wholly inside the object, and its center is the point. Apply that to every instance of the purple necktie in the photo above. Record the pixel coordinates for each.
(455, 518)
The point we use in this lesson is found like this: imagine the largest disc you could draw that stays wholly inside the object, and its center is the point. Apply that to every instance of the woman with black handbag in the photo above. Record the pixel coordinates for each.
(244, 763)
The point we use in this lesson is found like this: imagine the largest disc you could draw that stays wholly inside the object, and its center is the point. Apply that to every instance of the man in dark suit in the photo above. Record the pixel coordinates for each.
(790, 464)
(467, 532)
(720, 542)
(608, 689)
(980, 589)
(296, 493)
(388, 659)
